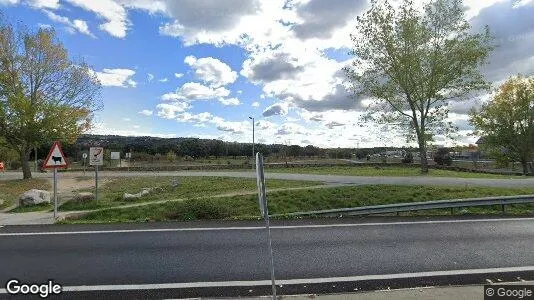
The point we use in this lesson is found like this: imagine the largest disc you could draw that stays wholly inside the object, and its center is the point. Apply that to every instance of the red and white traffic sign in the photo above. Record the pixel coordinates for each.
(56, 158)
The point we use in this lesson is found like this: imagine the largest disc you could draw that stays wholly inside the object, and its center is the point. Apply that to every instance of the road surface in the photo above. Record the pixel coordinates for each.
(333, 179)
(230, 258)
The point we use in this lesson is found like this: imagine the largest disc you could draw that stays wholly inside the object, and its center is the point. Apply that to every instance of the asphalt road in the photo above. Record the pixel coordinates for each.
(334, 179)
(126, 254)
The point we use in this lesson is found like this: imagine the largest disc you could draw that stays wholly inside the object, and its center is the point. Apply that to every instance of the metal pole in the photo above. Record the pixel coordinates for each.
(35, 152)
(265, 211)
(96, 183)
(271, 262)
(55, 193)
(253, 152)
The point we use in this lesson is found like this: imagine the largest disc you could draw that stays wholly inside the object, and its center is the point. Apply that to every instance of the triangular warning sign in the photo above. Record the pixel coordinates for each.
(56, 158)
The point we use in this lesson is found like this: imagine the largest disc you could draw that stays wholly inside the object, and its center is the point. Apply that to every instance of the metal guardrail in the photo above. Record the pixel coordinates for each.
(415, 206)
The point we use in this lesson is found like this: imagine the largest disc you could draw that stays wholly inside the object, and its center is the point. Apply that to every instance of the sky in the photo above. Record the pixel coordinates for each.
(201, 68)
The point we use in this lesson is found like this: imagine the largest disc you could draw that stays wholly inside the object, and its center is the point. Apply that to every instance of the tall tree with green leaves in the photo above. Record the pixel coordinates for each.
(507, 121)
(411, 62)
(44, 95)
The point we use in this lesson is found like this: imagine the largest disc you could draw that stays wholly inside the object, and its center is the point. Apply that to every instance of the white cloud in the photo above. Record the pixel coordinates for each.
(115, 15)
(9, 2)
(230, 101)
(126, 119)
(255, 104)
(116, 77)
(291, 129)
(164, 79)
(196, 91)
(150, 77)
(51, 4)
(521, 3)
(211, 70)
(194, 118)
(178, 75)
(276, 109)
(104, 128)
(171, 110)
(475, 6)
(74, 25)
(146, 112)
(232, 126)
(152, 6)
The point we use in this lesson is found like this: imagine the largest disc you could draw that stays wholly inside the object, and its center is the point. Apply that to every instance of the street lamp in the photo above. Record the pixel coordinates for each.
(253, 153)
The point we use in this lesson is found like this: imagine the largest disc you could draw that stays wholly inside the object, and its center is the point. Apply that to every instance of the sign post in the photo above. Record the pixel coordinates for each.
(129, 157)
(55, 159)
(96, 158)
(84, 162)
(116, 155)
(262, 198)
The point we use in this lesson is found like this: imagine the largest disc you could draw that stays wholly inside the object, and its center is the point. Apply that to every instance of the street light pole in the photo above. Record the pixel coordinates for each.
(253, 152)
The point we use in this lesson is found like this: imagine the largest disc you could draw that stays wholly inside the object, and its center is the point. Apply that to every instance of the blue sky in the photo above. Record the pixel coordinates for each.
(201, 67)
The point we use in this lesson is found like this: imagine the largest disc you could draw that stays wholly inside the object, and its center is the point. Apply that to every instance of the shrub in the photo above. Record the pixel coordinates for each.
(408, 158)
(15, 165)
(443, 157)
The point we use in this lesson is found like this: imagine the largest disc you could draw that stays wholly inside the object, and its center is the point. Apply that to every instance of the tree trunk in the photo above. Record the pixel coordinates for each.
(525, 166)
(26, 170)
(422, 155)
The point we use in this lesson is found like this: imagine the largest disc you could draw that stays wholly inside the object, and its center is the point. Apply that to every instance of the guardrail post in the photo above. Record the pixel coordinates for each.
(452, 210)
(503, 209)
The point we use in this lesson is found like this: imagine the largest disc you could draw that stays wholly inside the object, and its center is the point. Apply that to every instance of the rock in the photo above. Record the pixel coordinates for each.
(174, 183)
(34, 197)
(84, 197)
(1, 202)
(142, 193)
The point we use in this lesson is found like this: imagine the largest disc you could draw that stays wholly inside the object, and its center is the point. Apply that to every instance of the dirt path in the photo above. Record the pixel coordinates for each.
(67, 186)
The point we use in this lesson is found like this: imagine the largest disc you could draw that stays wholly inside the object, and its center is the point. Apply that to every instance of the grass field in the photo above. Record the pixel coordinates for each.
(10, 190)
(381, 171)
(111, 193)
(245, 207)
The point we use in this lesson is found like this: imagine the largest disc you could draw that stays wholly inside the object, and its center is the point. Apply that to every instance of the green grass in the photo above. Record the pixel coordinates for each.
(282, 202)
(111, 193)
(10, 190)
(381, 171)
(38, 207)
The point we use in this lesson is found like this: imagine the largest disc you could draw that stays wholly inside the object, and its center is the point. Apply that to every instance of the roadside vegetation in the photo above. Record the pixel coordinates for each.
(282, 202)
(10, 190)
(111, 193)
(382, 171)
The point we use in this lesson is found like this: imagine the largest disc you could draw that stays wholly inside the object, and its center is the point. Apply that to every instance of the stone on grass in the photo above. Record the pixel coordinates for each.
(34, 197)
(84, 197)
(139, 195)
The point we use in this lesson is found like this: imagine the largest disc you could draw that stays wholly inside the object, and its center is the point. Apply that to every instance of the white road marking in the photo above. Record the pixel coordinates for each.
(159, 286)
(260, 227)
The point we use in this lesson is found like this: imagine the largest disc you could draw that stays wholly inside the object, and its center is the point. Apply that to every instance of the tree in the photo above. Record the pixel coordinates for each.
(44, 96)
(411, 63)
(7, 153)
(507, 121)
(171, 156)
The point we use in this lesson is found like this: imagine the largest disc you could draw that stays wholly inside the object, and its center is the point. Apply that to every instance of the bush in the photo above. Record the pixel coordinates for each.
(408, 158)
(199, 209)
(443, 157)
(15, 165)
